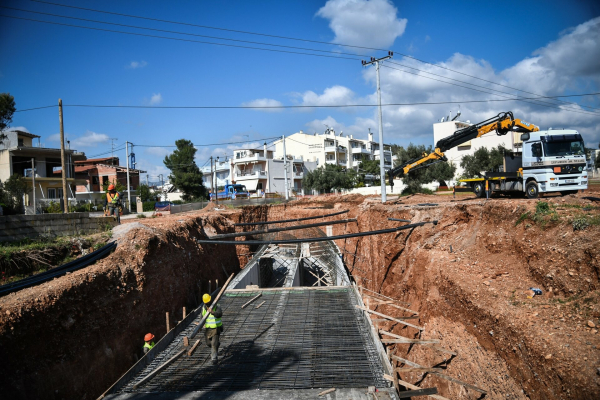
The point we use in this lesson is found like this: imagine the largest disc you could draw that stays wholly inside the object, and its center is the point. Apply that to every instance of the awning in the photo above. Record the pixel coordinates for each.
(250, 184)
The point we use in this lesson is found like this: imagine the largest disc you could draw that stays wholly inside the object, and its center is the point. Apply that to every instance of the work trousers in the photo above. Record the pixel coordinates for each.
(114, 211)
(212, 336)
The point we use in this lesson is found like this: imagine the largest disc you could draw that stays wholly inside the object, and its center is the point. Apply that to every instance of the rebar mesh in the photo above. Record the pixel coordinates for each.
(297, 339)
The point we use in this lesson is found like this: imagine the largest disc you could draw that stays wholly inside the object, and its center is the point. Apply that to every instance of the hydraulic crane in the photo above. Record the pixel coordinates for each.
(501, 123)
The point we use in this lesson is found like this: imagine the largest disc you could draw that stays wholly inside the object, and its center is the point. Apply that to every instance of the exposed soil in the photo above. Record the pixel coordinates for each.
(467, 277)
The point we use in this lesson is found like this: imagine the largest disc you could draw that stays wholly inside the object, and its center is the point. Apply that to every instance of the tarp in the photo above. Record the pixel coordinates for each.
(250, 184)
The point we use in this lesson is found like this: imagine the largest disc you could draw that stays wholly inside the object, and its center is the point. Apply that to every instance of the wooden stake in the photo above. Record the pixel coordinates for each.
(411, 386)
(324, 392)
(168, 326)
(252, 299)
(451, 379)
(186, 341)
(258, 306)
(184, 313)
(193, 347)
(391, 318)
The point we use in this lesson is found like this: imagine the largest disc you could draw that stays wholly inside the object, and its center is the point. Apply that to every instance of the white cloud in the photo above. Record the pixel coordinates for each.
(156, 99)
(88, 139)
(370, 23)
(17, 128)
(334, 95)
(264, 103)
(359, 129)
(160, 152)
(137, 64)
(551, 70)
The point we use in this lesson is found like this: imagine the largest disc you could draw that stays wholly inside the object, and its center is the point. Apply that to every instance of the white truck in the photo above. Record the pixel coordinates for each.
(550, 161)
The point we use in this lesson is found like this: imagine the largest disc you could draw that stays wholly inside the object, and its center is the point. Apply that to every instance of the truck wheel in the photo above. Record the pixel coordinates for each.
(479, 189)
(532, 190)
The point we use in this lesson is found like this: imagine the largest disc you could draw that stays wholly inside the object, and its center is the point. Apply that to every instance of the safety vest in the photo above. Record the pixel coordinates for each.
(113, 199)
(148, 345)
(211, 321)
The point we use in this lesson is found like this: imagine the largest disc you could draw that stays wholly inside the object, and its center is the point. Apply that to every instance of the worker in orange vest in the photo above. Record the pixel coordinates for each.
(113, 202)
(149, 343)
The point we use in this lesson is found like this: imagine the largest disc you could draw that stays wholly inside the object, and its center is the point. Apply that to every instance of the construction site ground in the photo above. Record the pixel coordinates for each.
(468, 277)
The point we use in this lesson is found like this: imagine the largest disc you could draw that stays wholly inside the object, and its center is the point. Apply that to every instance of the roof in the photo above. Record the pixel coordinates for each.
(97, 160)
(26, 134)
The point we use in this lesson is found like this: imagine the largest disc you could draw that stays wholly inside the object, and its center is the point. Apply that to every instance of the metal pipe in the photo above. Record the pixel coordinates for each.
(289, 228)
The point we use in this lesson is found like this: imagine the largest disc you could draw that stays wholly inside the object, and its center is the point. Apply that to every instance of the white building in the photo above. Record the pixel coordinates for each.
(331, 148)
(221, 173)
(511, 141)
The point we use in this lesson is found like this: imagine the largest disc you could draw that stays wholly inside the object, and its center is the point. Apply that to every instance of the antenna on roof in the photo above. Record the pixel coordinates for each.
(112, 150)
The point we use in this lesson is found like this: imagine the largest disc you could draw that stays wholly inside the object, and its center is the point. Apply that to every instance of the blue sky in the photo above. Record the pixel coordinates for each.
(549, 48)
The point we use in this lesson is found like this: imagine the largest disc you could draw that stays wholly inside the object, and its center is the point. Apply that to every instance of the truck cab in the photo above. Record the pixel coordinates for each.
(233, 191)
(553, 161)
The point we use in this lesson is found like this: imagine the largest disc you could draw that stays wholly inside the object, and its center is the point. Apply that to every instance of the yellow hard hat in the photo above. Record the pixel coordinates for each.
(206, 298)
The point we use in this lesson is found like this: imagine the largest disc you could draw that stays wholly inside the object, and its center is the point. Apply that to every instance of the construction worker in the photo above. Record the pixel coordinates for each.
(149, 343)
(113, 202)
(213, 326)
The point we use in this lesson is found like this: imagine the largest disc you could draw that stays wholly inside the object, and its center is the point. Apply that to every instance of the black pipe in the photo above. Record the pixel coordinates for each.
(310, 240)
(289, 228)
(58, 271)
(290, 220)
(398, 220)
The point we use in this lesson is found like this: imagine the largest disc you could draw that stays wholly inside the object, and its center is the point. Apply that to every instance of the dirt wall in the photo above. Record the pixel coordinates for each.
(73, 337)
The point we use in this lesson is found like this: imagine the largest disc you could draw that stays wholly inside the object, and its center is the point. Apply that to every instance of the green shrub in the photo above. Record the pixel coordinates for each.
(141, 216)
(542, 207)
(53, 208)
(148, 205)
(580, 223)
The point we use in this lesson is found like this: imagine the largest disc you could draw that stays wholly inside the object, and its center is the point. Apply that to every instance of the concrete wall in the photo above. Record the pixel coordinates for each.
(19, 227)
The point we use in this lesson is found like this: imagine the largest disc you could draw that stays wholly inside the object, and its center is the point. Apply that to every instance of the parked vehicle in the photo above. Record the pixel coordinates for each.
(235, 191)
(163, 206)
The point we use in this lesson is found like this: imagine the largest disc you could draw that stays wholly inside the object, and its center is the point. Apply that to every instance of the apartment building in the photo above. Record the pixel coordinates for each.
(331, 148)
(221, 173)
(20, 155)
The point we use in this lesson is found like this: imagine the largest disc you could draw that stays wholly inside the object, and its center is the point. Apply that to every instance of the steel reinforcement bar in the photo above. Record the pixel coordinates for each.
(289, 220)
(319, 239)
(289, 228)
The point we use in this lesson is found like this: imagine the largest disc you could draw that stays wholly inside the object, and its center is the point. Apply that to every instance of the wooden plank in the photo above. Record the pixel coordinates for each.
(390, 318)
(388, 377)
(381, 295)
(186, 341)
(168, 328)
(415, 393)
(258, 306)
(419, 369)
(449, 378)
(193, 347)
(411, 386)
(391, 304)
(402, 341)
(408, 340)
(251, 300)
(441, 349)
(324, 392)
(159, 369)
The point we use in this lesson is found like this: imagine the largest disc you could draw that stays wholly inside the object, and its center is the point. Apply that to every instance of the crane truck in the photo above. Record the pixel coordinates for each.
(550, 161)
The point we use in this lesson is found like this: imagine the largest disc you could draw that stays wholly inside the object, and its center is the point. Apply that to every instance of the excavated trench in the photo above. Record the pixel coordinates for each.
(466, 277)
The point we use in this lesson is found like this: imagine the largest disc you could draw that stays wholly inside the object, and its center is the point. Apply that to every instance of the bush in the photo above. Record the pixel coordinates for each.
(414, 190)
(148, 205)
(53, 208)
(580, 224)
(542, 207)
(141, 216)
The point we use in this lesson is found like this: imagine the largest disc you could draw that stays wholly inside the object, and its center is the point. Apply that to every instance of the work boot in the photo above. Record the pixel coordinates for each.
(215, 361)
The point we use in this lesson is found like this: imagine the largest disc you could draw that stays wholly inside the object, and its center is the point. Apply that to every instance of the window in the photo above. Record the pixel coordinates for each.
(20, 144)
(55, 193)
(95, 180)
(104, 179)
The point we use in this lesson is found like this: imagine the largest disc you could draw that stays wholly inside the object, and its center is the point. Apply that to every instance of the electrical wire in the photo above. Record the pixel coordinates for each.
(295, 39)
(211, 144)
(353, 57)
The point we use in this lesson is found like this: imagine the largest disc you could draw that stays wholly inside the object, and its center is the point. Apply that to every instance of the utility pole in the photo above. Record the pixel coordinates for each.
(128, 185)
(33, 184)
(62, 157)
(381, 150)
(287, 195)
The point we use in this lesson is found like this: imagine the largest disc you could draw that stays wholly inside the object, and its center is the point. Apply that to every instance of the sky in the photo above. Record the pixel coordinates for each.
(444, 52)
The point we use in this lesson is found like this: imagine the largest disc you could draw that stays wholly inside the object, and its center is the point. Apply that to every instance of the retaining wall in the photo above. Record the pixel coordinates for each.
(19, 227)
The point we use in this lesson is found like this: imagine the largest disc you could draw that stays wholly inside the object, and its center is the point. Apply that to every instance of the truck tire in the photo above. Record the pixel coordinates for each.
(532, 190)
(479, 189)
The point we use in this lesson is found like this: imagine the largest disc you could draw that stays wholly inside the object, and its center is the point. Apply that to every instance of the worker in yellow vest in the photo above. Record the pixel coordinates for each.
(149, 343)
(213, 326)
(113, 202)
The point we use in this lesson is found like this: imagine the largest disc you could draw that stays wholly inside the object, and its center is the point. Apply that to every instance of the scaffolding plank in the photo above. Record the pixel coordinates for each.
(411, 386)
(390, 318)
(408, 340)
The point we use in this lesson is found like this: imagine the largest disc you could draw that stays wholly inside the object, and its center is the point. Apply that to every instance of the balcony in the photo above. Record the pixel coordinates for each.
(298, 174)
(333, 149)
(242, 175)
(385, 152)
(250, 158)
(360, 150)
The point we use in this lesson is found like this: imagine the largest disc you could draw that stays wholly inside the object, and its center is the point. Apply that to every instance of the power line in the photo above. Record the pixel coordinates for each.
(339, 105)
(289, 38)
(212, 144)
(353, 57)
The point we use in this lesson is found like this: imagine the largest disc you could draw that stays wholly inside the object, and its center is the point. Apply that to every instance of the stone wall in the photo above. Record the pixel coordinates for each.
(19, 227)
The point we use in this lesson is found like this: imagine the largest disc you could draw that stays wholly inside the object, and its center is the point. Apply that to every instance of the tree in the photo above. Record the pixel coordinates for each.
(369, 167)
(415, 179)
(119, 187)
(482, 160)
(144, 193)
(12, 194)
(7, 109)
(185, 174)
(329, 177)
